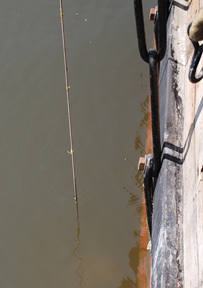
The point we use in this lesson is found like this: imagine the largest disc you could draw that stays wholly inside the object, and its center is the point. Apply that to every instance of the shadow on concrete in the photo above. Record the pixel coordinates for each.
(182, 150)
(181, 6)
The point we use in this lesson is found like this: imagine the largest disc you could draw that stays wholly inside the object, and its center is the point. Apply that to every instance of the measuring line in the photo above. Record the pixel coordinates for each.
(68, 101)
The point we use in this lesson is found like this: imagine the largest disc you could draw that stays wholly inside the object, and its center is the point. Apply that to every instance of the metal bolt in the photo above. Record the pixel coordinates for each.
(152, 14)
(141, 163)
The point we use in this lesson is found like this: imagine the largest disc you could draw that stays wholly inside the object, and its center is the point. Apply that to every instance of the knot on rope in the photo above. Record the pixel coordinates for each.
(196, 30)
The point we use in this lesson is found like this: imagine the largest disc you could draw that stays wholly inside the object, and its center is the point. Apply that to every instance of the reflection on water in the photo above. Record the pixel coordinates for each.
(138, 255)
(140, 145)
(134, 263)
(78, 242)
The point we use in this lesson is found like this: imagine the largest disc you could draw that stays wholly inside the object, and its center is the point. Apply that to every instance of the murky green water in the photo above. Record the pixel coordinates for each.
(44, 243)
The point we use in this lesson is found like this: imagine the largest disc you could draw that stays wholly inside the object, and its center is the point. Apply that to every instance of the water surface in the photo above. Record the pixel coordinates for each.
(44, 243)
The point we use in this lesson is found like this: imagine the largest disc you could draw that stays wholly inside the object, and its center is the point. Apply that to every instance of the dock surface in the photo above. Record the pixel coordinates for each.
(177, 236)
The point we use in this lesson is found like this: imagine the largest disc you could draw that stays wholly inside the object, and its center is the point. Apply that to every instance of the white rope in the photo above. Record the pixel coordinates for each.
(71, 152)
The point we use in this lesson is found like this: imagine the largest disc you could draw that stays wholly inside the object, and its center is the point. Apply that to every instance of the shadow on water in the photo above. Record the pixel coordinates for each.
(136, 256)
(78, 242)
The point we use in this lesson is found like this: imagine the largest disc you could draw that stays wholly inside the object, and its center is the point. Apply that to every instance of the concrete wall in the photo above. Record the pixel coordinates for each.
(192, 175)
(177, 237)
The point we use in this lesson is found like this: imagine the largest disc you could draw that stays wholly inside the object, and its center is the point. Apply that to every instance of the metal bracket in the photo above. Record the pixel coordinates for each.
(162, 18)
(153, 57)
(152, 163)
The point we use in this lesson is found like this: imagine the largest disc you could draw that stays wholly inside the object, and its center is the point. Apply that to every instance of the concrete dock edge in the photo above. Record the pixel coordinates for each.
(177, 228)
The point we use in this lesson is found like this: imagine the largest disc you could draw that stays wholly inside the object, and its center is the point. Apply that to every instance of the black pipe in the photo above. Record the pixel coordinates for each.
(154, 95)
(141, 30)
(162, 19)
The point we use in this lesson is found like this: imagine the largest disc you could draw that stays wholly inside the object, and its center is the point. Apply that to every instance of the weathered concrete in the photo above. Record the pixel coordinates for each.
(177, 237)
(192, 180)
